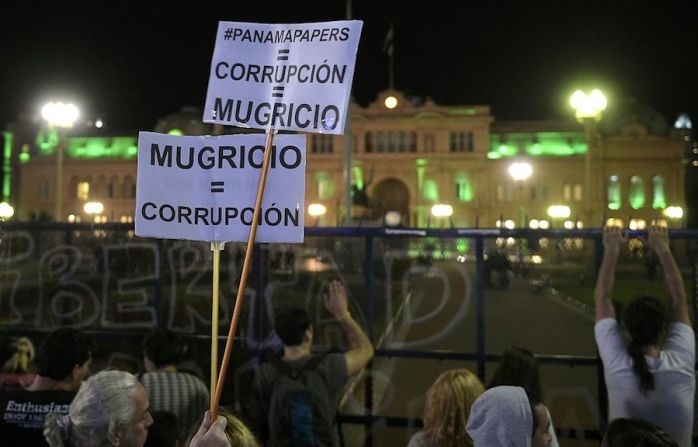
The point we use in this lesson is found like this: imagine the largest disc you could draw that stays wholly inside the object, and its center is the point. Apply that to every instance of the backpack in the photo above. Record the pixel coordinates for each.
(298, 398)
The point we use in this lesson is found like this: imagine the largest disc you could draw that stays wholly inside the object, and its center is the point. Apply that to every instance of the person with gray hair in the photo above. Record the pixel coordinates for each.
(111, 409)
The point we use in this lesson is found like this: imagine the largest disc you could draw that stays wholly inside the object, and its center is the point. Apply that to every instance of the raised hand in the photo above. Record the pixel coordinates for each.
(612, 239)
(658, 239)
(336, 300)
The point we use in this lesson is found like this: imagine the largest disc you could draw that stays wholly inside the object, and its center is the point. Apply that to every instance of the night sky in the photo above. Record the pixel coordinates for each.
(136, 62)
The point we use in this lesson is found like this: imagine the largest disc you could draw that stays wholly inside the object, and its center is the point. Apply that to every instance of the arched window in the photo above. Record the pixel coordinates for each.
(83, 192)
(614, 198)
(113, 187)
(636, 193)
(100, 188)
(658, 193)
(128, 186)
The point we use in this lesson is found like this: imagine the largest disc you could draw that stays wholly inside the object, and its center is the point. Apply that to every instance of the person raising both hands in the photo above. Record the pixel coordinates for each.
(652, 377)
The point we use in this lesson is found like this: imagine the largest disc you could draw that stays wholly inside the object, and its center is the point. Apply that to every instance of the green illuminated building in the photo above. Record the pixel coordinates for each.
(405, 159)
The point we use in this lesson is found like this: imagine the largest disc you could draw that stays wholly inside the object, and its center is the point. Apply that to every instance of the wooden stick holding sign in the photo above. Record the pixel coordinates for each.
(216, 248)
(243, 276)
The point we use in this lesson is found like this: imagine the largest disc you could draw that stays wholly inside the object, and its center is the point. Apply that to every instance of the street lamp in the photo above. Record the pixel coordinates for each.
(588, 110)
(674, 213)
(60, 116)
(6, 211)
(390, 102)
(520, 172)
(317, 210)
(559, 212)
(441, 210)
(93, 209)
(392, 218)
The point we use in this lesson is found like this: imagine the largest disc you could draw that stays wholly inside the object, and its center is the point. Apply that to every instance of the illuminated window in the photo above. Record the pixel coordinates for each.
(83, 191)
(323, 186)
(573, 192)
(658, 194)
(614, 222)
(614, 199)
(636, 193)
(431, 190)
(464, 190)
(637, 224)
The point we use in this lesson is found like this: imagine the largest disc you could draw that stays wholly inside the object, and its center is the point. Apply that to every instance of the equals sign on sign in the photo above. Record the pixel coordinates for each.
(277, 91)
(216, 186)
(282, 55)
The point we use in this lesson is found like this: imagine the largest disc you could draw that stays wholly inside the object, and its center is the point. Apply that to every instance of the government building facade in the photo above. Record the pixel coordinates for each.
(414, 163)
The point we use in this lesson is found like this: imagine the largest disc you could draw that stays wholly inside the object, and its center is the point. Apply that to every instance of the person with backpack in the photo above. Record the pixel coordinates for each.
(297, 395)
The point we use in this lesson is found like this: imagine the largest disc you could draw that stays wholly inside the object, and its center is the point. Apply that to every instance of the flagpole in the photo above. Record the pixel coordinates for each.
(388, 47)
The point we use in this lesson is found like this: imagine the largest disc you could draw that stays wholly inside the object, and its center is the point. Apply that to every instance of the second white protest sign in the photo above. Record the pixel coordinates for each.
(204, 188)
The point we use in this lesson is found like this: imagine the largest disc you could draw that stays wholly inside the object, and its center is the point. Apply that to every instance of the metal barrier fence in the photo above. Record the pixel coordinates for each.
(413, 282)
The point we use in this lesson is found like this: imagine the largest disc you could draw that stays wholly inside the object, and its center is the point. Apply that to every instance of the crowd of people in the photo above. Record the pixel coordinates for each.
(48, 398)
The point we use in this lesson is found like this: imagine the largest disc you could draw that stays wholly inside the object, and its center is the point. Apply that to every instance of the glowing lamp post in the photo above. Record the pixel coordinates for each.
(441, 210)
(588, 106)
(317, 210)
(674, 212)
(392, 218)
(588, 110)
(60, 116)
(559, 212)
(520, 172)
(6, 211)
(93, 208)
(390, 102)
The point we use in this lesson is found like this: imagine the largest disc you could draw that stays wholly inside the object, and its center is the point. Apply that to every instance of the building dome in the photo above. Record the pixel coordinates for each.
(629, 113)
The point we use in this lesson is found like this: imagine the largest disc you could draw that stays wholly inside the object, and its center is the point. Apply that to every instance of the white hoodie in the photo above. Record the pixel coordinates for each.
(501, 417)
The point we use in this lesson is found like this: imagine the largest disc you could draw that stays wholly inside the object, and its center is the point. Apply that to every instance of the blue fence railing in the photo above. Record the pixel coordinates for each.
(104, 279)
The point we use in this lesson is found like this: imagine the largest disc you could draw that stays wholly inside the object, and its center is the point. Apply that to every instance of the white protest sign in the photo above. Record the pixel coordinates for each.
(284, 77)
(204, 188)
